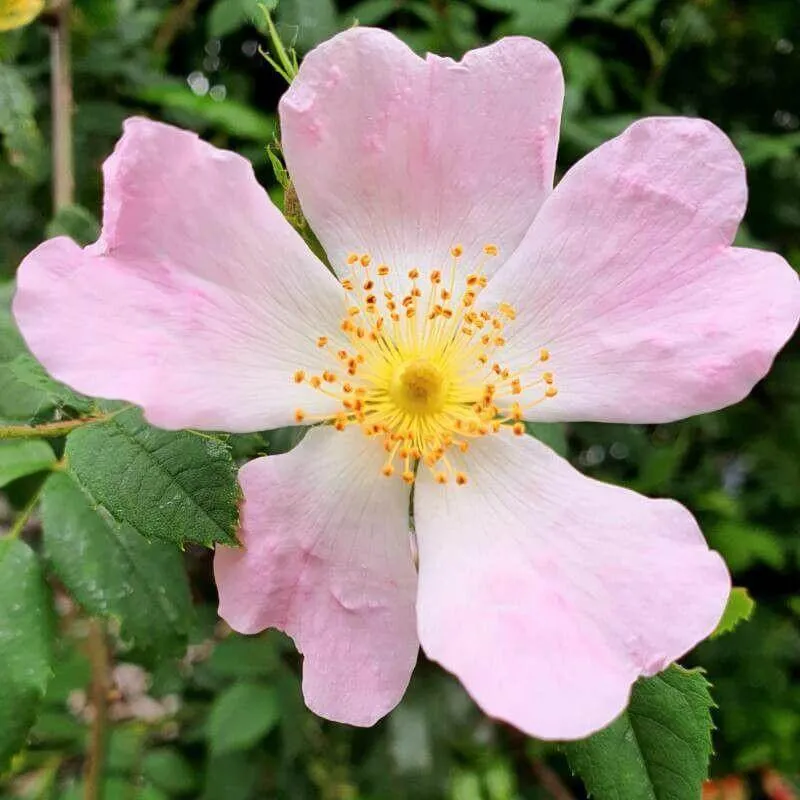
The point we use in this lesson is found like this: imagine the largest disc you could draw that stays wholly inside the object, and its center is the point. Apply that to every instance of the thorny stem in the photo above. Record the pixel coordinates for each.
(61, 98)
(50, 430)
(97, 650)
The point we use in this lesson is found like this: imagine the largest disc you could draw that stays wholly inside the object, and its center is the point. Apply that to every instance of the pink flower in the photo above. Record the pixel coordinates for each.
(476, 296)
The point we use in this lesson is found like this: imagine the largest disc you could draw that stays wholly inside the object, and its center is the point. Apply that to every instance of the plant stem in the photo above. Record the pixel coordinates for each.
(49, 430)
(97, 650)
(19, 523)
(61, 98)
(549, 781)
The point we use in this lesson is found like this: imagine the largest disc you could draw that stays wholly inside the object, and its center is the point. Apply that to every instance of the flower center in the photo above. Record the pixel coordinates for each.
(419, 387)
(419, 370)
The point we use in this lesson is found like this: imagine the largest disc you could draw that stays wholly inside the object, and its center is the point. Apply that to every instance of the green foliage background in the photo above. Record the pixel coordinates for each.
(225, 720)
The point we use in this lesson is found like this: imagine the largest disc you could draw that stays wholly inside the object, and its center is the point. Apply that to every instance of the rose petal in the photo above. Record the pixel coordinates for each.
(626, 276)
(405, 157)
(327, 559)
(198, 302)
(548, 593)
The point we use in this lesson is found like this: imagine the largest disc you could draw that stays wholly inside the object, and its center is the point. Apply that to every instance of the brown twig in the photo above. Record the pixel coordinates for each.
(49, 430)
(97, 650)
(61, 100)
(175, 21)
(549, 781)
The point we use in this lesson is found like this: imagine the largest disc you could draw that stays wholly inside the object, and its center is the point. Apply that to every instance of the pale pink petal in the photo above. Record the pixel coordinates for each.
(327, 559)
(626, 275)
(198, 302)
(548, 593)
(405, 157)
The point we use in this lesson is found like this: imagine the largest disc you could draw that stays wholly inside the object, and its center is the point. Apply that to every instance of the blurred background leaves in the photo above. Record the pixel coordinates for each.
(224, 718)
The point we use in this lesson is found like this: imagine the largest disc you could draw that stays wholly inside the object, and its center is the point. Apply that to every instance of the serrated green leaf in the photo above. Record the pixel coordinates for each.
(658, 749)
(739, 608)
(26, 643)
(241, 716)
(114, 572)
(176, 486)
(24, 457)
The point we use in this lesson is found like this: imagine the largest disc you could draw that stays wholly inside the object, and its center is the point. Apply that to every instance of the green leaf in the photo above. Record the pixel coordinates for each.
(26, 643)
(739, 608)
(175, 486)
(658, 749)
(553, 434)
(76, 222)
(370, 12)
(24, 457)
(244, 657)
(227, 16)
(114, 572)
(227, 115)
(21, 137)
(241, 716)
(305, 23)
(167, 769)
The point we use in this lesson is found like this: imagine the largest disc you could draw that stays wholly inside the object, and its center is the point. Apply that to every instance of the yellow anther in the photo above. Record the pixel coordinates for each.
(299, 415)
(423, 386)
(507, 310)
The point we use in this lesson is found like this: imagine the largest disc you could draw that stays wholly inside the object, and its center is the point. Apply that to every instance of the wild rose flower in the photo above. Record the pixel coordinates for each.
(470, 296)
